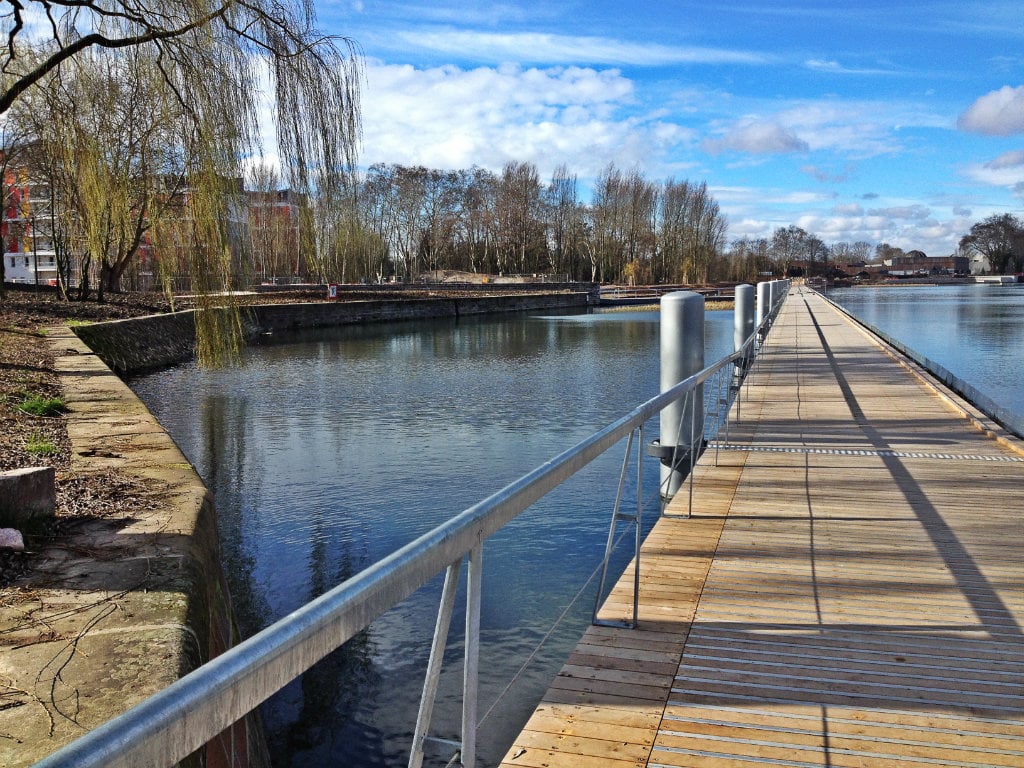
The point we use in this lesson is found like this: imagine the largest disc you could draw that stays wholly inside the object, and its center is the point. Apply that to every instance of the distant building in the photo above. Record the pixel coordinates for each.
(917, 263)
(257, 223)
(274, 235)
(25, 230)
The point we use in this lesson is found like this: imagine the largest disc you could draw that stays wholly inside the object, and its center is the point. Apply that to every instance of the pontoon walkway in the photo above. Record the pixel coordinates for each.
(848, 592)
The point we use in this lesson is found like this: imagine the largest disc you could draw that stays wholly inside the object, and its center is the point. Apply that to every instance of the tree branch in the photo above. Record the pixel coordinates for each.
(23, 83)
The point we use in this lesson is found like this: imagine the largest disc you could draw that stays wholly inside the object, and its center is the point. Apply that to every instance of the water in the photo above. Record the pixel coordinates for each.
(975, 331)
(328, 451)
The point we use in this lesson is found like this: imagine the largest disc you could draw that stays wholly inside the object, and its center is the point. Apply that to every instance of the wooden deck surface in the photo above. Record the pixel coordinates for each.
(849, 591)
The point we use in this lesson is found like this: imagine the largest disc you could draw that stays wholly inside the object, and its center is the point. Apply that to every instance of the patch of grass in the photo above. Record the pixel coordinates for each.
(74, 323)
(38, 405)
(38, 445)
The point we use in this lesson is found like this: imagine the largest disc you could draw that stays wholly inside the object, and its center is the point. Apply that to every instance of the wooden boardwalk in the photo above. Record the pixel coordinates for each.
(849, 591)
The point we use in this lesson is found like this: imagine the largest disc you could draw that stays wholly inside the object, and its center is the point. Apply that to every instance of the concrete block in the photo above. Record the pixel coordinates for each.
(28, 495)
(11, 538)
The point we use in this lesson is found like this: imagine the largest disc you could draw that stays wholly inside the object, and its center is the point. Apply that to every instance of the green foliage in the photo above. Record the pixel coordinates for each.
(38, 405)
(39, 445)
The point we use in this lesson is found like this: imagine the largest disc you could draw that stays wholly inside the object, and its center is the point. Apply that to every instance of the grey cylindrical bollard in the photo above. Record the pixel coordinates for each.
(764, 299)
(743, 315)
(682, 355)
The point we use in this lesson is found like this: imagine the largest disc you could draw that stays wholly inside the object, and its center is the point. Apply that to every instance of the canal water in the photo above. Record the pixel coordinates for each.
(974, 331)
(328, 451)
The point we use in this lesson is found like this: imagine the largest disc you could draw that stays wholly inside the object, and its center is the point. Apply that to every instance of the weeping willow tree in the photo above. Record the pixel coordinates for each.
(206, 68)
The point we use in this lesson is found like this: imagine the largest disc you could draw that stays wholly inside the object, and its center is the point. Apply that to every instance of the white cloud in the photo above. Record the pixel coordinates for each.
(1012, 159)
(835, 68)
(550, 48)
(739, 198)
(849, 209)
(447, 117)
(911, 212)
(856, 128)
(826, 176)
(757, 138)
(998, 113)
(1006, 170)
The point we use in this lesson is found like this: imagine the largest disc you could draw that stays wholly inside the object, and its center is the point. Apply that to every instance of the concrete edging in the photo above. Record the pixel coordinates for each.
(117, 607)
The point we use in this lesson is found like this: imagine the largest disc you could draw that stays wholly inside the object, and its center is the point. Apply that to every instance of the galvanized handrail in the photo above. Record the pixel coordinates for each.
(173, 723)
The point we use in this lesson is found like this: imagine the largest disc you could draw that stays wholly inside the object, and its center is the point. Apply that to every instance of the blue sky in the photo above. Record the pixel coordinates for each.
(890, 121)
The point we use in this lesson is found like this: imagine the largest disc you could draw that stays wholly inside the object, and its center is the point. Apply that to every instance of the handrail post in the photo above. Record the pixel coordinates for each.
(433, 676)
(471, 668)
(743, 320)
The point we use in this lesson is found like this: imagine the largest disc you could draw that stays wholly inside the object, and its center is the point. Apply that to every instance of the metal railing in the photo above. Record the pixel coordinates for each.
(172, 724)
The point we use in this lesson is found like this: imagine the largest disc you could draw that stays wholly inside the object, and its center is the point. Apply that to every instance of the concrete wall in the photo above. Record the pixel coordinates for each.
(493, 286)
(133, 346)
(142, 343)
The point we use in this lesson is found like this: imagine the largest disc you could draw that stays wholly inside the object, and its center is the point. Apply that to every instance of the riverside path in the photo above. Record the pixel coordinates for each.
(849, 590)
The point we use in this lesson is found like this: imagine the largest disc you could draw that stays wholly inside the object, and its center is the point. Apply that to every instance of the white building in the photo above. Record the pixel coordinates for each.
(28, 248)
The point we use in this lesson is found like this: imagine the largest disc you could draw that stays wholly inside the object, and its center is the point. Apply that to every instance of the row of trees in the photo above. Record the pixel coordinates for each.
(402, 221)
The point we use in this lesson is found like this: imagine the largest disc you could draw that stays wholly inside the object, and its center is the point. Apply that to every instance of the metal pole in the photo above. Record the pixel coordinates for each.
(682, 355)
(471, 667)
(433, 676)
(743, 316)
(35, 249)
(764, 300)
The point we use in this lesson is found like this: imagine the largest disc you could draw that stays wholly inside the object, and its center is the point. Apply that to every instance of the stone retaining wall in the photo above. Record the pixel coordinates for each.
(132, 346)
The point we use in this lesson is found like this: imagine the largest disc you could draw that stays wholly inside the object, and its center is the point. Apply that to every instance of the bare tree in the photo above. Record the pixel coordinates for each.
(749, 260)
(691, 231)
(565, 223)
(885, 252)
(478, 221)
(860, 250)
(607, 225)
(521, 243)
(1000, 239)
(788, 245)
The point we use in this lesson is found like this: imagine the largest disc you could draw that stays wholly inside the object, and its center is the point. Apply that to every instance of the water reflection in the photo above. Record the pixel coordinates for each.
(329, 450)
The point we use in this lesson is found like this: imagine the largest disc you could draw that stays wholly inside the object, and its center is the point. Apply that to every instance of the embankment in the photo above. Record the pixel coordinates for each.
(131, 346)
